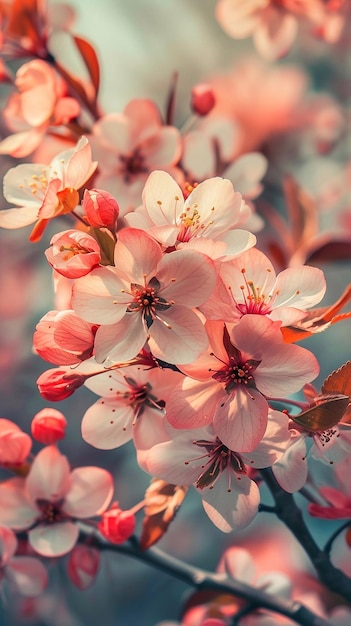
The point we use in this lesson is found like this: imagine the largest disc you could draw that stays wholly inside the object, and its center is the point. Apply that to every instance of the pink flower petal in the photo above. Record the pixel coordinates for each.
(16, 511)
(187, 277)
(137, 255)
(121, 341)
(98, 298)
(90, 492)
(240, 421)
(49, 477)
(55, 539)
(177, 335)
(231, 505)
(107, 424)
(27, 575)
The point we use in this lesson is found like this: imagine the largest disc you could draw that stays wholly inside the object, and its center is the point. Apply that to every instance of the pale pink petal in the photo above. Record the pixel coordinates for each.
(166, 235)
(113, 132)
(237, 563)
(72, 332)
(137, 255)
(300, 287)
(335, 497)
(240, 420)
(99, 297)
(8, 545)
(187, 277)
(49, 477)
(107, 424)
(233, 501)
(55, 539)
(275, 441)
(276, 34)
(162, 198)
(246, 172)
(17, 180)
(15, 445)
(239, 18)
(193, 403)
(121, 341)
(162, 150)
(237, 241)
(80, 166)
(21, 144)
(285, 370)
(16, 511)
(17, 218)
(177, 335)
(27, 575)
(143, 118)
(90, 492)
(199, 158)
(291, 470)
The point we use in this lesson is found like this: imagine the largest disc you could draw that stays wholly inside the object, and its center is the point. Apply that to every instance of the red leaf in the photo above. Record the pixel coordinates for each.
(90, 59)
(162, 503)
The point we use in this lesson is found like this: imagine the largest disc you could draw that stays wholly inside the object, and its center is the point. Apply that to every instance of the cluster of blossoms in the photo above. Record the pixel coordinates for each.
(166, 306)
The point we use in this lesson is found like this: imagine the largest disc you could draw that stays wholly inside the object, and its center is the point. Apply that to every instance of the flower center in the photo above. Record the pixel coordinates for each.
(139, 396)
(132, 165)
(147, 301)
(236, 373)
(219, 458)
(191, 224)
(51, 512)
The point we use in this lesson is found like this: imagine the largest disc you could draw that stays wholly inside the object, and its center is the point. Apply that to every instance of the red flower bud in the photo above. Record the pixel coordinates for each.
(58, 384)
(101, 209)
(83, 566)
(117, 525)
(202, 99)
(48, 426)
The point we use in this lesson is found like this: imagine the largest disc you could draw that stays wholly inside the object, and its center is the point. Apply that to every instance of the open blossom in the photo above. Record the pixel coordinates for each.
(229, 383)
(249, 285)
(51, 499)
(43, 192)
(274, 23)
(63, 338)
(15, 445)
(147, 296)
(129, 146)
(73, 253)
(132, 401)
(210, 211)
(41, 102)
(23, 575)
(220, 474)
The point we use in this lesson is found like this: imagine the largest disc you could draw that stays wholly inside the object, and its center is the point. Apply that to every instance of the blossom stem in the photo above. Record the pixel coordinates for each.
(336, 533)
(289, 513)
(203, 580)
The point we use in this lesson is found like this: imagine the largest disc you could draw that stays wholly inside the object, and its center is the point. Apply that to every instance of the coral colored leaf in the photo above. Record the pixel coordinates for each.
(302, 212)
(162, 503)
(23, 20)
(326, 414)
(318, 320)
(74, 83)
(339, 381)
(90, 59)
(332, 250)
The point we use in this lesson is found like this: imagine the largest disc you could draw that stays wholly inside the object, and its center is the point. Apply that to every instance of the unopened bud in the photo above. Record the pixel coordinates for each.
(101, 209)
(202, 99)
(58, 384)
(117, 525)
(48, 426)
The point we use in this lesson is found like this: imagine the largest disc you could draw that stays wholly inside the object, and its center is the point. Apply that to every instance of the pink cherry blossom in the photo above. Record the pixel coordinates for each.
(51, 499)
(274, 23)
(229, 383)
(23, 575)
(43, 192)
(63, 338)
(41, 102)
(15, 445)
(129, 146)
(147, 296)
(210, 211)
(249, 285)
(132, 402)
(73, 253)
(230, 498)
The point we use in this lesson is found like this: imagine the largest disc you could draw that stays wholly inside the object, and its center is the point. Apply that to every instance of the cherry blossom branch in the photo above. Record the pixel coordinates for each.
(329, 543)
(290, 514)
(202, 579)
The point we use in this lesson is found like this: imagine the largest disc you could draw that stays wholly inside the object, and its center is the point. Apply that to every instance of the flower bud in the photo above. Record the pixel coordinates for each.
(48, 426)
(117, 525)
(83, 566)
(202, 99)
(101, 209)
(73, 253)
(58, 384)
(15, 445)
